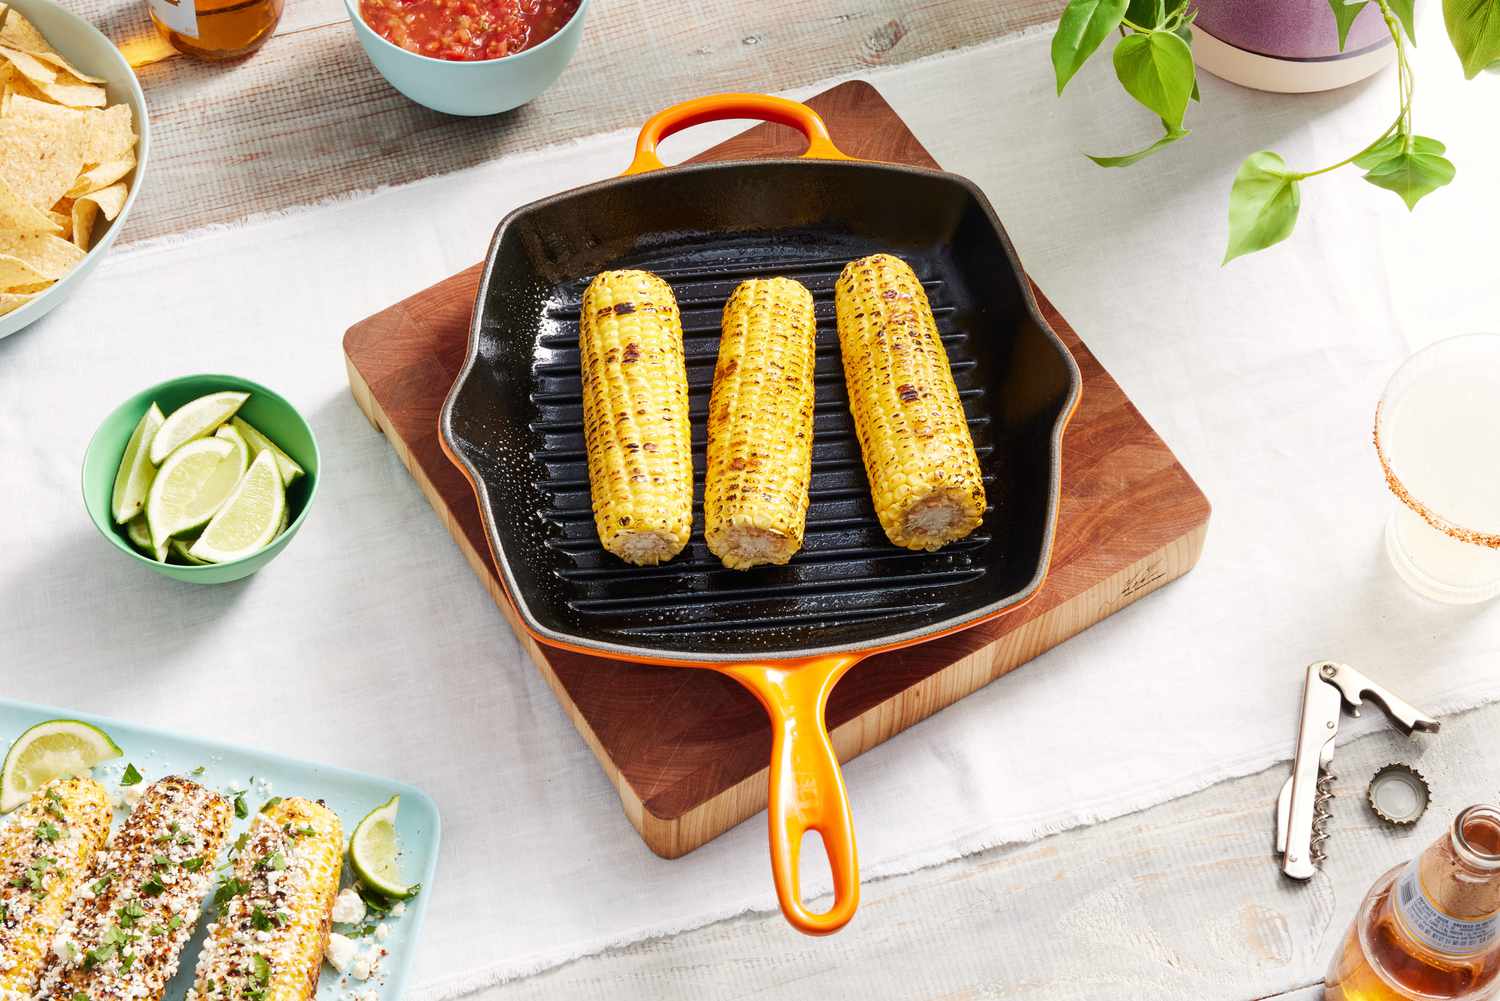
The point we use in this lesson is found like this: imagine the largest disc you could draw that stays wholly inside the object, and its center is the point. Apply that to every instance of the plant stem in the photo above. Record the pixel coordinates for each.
(1405, 85)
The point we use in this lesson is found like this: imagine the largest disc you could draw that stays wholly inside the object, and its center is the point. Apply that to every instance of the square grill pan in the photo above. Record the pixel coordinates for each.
(515, 416)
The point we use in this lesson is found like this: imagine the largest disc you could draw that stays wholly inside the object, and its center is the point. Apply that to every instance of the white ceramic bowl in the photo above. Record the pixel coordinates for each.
(478, 87)
(81, 44)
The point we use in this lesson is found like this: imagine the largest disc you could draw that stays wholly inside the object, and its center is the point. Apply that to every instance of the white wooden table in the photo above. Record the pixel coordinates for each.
(1180, 901)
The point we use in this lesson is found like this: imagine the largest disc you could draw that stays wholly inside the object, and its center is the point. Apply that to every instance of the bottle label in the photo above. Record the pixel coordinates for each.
(1440, 932)
(179, 15)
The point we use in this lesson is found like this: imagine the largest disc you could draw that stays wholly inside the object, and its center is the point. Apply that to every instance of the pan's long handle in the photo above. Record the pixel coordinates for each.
(717, 107)
(807, 788)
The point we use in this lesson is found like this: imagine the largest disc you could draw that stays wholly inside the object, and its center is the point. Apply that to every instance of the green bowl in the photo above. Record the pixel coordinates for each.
(268, 412)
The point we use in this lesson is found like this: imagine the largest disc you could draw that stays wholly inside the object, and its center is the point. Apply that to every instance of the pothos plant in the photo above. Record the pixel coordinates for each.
(1154, 61)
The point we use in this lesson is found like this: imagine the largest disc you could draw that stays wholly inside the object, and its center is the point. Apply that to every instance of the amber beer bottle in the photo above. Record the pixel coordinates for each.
(1429, 929)
(215, 29)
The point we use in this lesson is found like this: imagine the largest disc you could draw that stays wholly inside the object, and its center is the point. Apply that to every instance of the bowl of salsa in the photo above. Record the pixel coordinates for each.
(469, 57)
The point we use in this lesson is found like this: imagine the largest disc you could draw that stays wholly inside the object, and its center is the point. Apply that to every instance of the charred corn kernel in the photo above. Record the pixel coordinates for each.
(923, 471)
(760, 425)
(268, 940)
(138, 905)
(45, 850)
(635, 416)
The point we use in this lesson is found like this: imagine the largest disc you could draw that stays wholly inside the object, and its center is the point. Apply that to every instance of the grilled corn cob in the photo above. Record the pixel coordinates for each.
(923, 471)
(760, 425)
(45, 851)
(635, 416)
(128, 922)
(268, 940)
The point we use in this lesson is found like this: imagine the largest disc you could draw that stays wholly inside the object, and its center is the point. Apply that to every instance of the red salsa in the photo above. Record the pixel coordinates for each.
(467, 29)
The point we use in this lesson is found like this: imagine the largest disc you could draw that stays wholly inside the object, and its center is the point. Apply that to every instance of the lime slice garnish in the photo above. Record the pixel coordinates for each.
(372, 851)
(193, 420)
(58, 748)
(248, 520)
(190, 487)
(138, 530)
(260, 443)
(136, 472)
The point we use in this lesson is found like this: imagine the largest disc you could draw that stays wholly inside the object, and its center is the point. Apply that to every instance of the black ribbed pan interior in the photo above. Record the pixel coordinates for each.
(514, 417)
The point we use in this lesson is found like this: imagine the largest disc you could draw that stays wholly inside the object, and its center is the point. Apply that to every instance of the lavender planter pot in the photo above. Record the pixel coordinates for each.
(1290, 46)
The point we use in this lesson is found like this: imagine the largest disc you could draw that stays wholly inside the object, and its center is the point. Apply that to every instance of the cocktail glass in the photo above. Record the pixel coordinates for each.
(1437, 433)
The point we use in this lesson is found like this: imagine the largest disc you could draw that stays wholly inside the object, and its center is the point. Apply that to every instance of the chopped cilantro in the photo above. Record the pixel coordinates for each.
(275, 860)
(48, 832)
(175, 923)
(193, 864)
(259, 921)
(240, 809)
(131, 776)
(153, 887)
(101, 883)
(130, 913)
(196, 772)
(269, 803)
(228, 889)
(262, 969)
(160, 861)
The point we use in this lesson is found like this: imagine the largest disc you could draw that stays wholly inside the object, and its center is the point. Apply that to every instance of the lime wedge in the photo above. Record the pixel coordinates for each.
(234, 438)
(55, 749)
(138, 530)
(179, 550)
(249, 518)
(190, 486)
(136, 471)
(372, 851)
(193, 420)
(260, 443)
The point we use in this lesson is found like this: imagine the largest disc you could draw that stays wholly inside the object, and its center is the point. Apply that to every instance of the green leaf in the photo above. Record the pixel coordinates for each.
(1126, 159)
(131, 776)
(1184, 31)
(1412, 174)
(1157, 70)
(1344, 14)
(1084, 25)
(1263, 205)
(1403, 10)
(1142, 12)
(1391, 145)
(1474, 28)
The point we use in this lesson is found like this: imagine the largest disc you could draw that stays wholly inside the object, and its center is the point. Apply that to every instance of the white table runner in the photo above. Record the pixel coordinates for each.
(370, 644)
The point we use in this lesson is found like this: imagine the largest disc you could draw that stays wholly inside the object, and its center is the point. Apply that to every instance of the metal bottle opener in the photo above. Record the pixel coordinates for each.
(1302, 812)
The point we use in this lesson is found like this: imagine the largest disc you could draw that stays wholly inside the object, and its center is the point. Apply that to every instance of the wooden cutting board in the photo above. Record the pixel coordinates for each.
(687, 750)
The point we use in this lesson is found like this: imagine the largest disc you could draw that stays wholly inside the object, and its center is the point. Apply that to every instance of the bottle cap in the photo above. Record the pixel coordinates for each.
(1399, 794)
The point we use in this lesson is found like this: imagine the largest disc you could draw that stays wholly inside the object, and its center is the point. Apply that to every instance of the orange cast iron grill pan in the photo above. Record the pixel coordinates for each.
(513, 422)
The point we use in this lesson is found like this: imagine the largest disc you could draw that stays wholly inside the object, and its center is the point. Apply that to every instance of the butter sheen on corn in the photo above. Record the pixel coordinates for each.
(635, 416)
(919, 457)
(760, 425)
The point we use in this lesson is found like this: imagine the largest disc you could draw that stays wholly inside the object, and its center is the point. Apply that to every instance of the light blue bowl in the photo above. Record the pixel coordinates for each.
(480, 87)
(81, 44)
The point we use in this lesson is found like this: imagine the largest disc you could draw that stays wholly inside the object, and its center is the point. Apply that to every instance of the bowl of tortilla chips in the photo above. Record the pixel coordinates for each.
(73, 145)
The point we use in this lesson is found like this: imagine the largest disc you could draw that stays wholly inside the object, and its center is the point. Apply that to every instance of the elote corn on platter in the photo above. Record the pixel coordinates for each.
(124, 932)
(913, 435)
(268, 939)
(760, 425)
(45, 852)
(635, 416)
(87, 917)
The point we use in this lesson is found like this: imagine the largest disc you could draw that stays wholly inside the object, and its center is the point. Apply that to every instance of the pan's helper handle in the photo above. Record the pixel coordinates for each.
(807, 788)
(718, 107)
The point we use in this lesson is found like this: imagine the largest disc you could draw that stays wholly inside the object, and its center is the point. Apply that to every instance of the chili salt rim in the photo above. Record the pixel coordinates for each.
(1489, 540)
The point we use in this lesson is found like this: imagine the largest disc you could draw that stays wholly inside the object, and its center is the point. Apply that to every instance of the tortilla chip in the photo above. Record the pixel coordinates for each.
(37, 287)
(14, 271)
(14, 300)
(17, 216)
(87, 209)
(103, 175)
(38, 160)
(50, 255)
(63, 220)
(19, 33)
(63, 64)
(108, 134)
(33, 104)
(74, 93)
(29, 65)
